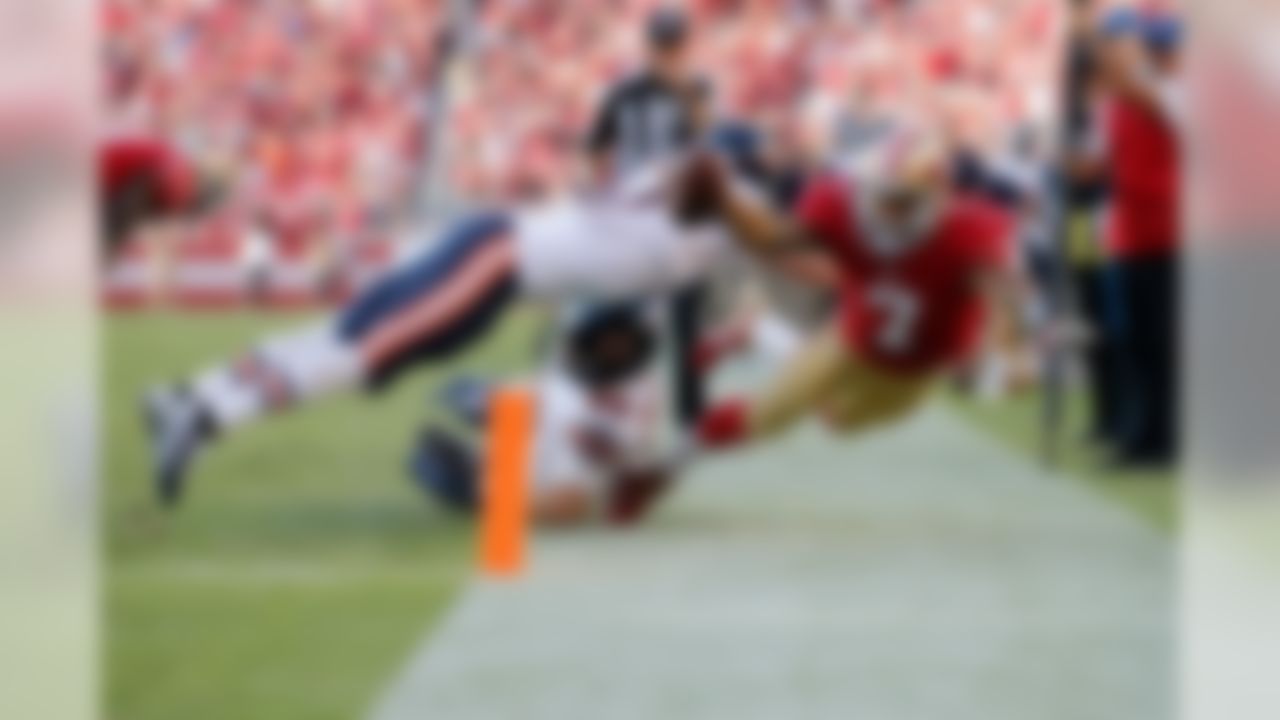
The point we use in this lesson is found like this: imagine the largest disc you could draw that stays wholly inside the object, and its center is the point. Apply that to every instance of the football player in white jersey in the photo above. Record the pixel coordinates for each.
(601, 449)
(606, 448)
(622, 244)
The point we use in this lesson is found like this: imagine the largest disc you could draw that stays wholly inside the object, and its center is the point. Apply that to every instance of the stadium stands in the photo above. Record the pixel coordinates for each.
(314, 112)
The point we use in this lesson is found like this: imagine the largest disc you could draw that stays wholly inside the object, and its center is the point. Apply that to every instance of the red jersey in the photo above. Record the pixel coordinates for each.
(921, 308)
(1144, 159)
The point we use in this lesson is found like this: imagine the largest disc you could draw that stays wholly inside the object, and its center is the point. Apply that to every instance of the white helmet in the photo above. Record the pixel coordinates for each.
(901, 183)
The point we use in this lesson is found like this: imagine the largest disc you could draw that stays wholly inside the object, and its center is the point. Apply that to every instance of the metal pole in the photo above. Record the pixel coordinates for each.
(433, 197)
(1071, 125)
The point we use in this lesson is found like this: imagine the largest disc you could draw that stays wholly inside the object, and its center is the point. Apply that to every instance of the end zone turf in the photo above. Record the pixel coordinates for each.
(926, 573)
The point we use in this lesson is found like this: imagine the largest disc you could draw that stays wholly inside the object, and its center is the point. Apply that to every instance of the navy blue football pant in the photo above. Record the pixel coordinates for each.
(437, 304)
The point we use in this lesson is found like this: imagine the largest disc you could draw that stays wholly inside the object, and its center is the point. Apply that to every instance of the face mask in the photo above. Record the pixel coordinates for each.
(896, 225)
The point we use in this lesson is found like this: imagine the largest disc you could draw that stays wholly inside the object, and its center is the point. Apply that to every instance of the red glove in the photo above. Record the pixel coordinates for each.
(633, 495)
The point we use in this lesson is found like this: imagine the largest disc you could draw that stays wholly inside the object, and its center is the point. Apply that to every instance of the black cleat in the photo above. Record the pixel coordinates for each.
(445, 468)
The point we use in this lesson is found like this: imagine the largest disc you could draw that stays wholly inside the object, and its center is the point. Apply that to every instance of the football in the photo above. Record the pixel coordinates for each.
(700, 188)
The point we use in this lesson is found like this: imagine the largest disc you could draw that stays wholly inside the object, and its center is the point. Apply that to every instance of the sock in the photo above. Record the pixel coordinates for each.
(724, 425)
(775, 339)
(281, 372)
(714, 348)
(228, 400)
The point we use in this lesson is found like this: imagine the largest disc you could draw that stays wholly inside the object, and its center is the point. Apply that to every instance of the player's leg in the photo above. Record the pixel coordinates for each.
(868, 398)
(812, 375)
(436, 306)
(564, 485)
(446, 464)
(448, 468)
(422, 311)
(570, 485)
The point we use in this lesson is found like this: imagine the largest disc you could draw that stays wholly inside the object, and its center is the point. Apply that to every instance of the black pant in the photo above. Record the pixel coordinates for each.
(1149, 291)
(687, 310)
(1099, 306)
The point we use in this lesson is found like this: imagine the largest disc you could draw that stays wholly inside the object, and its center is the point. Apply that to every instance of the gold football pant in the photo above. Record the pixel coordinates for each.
(828, 378)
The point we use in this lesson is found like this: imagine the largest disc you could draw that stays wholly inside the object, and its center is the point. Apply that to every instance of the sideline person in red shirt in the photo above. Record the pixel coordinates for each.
(1143, 119)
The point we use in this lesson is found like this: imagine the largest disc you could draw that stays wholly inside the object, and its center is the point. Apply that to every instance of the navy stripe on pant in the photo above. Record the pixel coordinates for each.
(417, 283)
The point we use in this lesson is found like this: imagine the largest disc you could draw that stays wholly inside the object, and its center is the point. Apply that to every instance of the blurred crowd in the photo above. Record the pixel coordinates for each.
(308, 113)
(809, 69)
(315, 114)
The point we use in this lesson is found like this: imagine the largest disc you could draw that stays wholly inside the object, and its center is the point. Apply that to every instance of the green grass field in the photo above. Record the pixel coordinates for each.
(1151, 494)
(303, 565)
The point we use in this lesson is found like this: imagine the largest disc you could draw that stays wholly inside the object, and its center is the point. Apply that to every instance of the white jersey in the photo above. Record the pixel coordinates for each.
(632, 415)
(611, 247)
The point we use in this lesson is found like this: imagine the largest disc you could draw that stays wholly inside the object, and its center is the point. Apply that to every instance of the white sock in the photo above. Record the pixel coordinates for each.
(774, 339)
(230, 401)
(287, 369)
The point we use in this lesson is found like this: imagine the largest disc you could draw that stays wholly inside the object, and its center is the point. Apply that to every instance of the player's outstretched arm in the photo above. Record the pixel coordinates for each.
(705, 192)
(777, 239)
(758, 226)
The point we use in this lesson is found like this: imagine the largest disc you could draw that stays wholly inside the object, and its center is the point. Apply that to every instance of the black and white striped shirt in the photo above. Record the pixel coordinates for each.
(644, 118)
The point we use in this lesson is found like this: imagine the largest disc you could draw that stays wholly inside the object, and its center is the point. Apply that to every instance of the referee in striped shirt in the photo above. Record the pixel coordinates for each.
(657, 111)
(654, 113)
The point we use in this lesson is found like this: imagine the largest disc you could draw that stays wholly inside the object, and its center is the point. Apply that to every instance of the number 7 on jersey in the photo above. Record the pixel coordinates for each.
(900, 310)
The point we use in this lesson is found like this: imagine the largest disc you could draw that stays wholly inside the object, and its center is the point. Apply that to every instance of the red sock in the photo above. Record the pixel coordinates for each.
(716, 347)
(724, 425)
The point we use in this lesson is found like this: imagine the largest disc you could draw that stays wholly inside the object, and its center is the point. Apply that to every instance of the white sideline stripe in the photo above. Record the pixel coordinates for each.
(283, 573)
(821, 580)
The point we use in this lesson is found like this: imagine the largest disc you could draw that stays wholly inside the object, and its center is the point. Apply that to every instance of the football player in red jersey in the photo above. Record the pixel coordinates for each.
(918, 268)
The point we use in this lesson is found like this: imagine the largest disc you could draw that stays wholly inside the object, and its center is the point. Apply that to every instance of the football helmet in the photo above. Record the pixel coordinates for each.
(901, 184)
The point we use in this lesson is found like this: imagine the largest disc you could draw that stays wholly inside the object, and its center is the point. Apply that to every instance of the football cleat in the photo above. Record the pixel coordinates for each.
(467, 397)
(445, 468)
(178, 429)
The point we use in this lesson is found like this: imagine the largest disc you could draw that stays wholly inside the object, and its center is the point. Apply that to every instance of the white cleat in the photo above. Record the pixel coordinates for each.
(178, 428)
